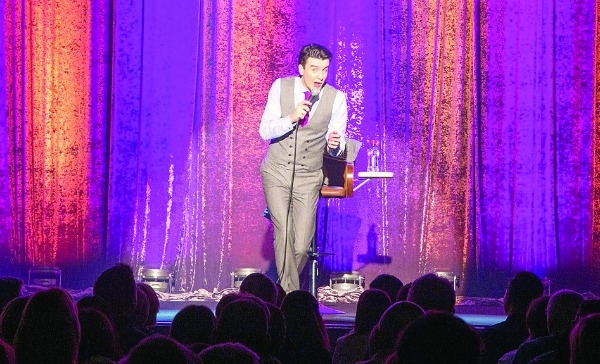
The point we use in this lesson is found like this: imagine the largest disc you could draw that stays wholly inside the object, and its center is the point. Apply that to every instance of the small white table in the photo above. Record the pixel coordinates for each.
(367, 176)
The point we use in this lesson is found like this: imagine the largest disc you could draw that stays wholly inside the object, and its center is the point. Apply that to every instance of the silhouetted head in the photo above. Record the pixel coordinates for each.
(438, 337)
(261, 286)
(98, 337)
(276, 330)
(232, 353)
(536, 320)
(140, 313)
(522, 289)
(403, 292)
(432, 292)
(281, 293)
(7, 353)
(245, 321)
(588, 307)
(117, 287)
(562, 311)
(97, 303)
(585, 340)
(388, 283)
(159, 349)
(10, 318)
(225, 300)
(393, 321)
(10, 288)
(305, 327)
(372, 303)
(193, 324)
(49, 330)
(153, 303)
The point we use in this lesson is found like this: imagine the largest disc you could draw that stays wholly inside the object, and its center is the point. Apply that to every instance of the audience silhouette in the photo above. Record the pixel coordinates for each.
(402, 294)
(49, 329)
(153, 305)
(262, 324)
(561, 315)
(437, 337)
(261, 286)
(244, 321)
(98, 338)
(432, 292)
(306, 340)
(512, 332)
(141, 311)
(10, 288)
(193, 324)
(7, 353)
(276, 331)
(585, 340)
(388, 283)
(160, 350)
(536, 321)
(225, 300)
(116, 286)
(384, 335)
(231, 353)
(352, 347)
(10, 318)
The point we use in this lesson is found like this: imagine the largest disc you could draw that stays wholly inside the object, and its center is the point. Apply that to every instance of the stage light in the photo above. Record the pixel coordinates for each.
(238, 275)
(161, 280)
(45, 276)
(346, 281)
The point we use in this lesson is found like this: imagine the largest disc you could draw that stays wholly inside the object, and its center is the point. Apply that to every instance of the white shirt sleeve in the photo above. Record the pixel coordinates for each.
(338, 122)
(272, 125)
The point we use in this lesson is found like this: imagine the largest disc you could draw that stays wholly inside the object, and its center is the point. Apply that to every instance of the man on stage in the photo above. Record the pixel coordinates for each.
(302, 117)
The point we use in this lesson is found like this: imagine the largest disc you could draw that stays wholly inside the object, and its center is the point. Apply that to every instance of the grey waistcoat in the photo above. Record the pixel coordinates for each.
(311, 138)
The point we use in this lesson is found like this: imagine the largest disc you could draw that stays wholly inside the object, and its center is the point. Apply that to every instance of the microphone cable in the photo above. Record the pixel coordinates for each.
(289, 208)
(315, 98)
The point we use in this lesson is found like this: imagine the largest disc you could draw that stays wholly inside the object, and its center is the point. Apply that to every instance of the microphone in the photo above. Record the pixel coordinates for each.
(314, 97)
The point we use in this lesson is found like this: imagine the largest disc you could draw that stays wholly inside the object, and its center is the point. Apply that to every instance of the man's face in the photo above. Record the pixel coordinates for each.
(314, 72)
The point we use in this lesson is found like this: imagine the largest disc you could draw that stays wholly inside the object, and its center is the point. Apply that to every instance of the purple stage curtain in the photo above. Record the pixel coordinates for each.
(129, 133)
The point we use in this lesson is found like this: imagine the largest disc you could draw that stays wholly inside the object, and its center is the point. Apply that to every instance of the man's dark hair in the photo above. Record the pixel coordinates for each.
(314, 51)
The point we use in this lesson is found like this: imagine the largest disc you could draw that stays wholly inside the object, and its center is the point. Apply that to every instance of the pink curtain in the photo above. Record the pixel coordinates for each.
(131, 135)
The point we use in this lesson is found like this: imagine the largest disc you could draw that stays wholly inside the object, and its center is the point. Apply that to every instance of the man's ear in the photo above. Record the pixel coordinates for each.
(301, 69)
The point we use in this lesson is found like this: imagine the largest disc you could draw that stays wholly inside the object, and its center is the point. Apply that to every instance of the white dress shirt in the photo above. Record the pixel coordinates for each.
(272, 125)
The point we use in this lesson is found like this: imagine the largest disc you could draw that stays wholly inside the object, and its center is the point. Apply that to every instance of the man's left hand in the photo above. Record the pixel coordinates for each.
(334, 140)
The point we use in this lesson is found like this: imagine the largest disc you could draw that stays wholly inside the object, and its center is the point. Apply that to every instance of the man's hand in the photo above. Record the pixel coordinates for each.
(300, 111)
(334, 140)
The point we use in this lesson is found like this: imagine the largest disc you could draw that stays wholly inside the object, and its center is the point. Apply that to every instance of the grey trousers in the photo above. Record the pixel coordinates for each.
(291, 248)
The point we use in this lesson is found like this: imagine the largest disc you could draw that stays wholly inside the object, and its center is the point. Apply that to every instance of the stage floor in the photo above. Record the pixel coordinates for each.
(338, 308)
(476, 311)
